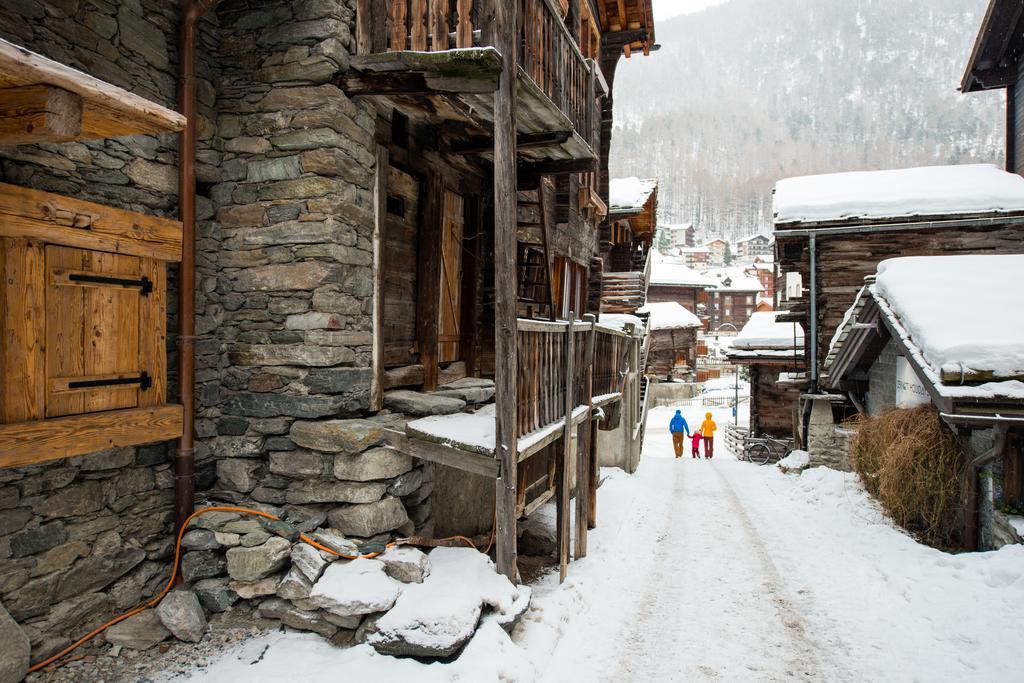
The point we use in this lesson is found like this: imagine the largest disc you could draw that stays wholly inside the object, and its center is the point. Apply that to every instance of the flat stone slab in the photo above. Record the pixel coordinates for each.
(438, 617)
(420, 405)
(356, 587)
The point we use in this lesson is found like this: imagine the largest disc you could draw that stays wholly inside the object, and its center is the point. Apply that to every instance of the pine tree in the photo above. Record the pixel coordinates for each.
(728, 254)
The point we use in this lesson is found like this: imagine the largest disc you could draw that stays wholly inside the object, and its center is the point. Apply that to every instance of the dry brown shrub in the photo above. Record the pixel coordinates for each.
(914, 464)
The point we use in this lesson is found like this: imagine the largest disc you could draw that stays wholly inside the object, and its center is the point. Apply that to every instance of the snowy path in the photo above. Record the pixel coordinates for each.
(724, 571)
(710, 594)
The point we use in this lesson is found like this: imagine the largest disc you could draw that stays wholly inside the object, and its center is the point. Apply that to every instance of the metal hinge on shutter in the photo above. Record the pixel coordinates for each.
(144, 284)
(143, 380)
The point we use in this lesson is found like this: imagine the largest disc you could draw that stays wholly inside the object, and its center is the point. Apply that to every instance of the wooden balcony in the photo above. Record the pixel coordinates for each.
(432, 60)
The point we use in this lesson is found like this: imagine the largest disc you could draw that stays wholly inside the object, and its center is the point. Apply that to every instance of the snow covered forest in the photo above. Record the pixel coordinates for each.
(748, 92)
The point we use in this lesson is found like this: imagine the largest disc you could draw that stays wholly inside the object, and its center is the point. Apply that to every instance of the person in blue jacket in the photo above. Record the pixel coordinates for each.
(680, 430)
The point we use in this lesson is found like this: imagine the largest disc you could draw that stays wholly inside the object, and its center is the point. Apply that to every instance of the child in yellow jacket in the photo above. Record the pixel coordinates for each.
(707, 430)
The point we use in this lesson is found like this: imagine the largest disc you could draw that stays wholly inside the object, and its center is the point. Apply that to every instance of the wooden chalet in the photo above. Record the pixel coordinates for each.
(733, 298)
(626, 238)
(357, 221)
(492, 129)
(829, 239)
(895, 349)
(770, 348)
(995, 64)
(671, 353)
(671, 280)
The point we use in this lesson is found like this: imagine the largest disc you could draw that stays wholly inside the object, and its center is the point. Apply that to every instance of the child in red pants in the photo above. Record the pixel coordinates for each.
(695, 443)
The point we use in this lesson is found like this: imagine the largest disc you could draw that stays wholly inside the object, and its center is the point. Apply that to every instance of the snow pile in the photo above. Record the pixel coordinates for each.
(618, 321)
(355, 588)
(795, 461)
(763, 331)
(441, 614)
(669, 315)
(630, 194)
(962, 312)
(905, 193)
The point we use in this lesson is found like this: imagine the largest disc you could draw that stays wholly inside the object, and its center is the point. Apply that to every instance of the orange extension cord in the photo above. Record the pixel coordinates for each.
(174, 573)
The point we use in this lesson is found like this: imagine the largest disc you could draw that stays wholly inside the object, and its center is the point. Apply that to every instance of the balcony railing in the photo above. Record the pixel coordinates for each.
(548, 54)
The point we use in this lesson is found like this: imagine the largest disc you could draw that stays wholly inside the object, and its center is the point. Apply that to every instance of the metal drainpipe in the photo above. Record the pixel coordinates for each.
(184, 461)
(972, 519)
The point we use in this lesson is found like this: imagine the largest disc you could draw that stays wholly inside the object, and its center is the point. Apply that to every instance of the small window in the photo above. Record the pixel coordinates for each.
(396, 206)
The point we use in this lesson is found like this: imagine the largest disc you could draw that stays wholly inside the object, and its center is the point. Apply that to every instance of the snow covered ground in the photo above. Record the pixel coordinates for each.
(708, 570)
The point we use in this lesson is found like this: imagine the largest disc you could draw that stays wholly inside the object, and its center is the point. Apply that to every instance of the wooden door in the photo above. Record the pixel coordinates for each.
(401, 261)
(450, 312)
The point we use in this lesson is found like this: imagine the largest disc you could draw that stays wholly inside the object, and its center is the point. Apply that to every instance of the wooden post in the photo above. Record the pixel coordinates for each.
(546, 236)
(428, 303)
(505, 255)
(380, 217)
(586, 453)
(634, 401)
(595, 475)
(471, 250)
(626, 416)
(563, 479)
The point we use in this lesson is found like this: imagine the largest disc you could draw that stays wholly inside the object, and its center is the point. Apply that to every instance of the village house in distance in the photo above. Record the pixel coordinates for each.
(383, 324)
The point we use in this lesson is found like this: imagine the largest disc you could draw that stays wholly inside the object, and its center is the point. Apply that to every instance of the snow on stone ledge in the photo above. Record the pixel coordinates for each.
(962, 312)
(763, 331)
(630, 194)
(905, 193)
(618, 321)
(669, 315)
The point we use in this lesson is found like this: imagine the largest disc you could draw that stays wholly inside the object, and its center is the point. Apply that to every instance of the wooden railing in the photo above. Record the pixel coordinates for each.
(543, 363)
(547, 51)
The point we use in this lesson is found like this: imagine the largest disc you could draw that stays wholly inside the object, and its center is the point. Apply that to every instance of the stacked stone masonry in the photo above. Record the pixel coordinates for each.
(285, 168)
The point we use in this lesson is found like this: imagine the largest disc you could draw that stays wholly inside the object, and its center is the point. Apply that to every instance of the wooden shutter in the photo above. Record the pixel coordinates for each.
(450, 313)
(96, 356)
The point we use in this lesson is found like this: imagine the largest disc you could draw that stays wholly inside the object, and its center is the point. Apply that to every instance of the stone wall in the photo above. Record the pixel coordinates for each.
(881, 394)
(82, 539)
(287, 279)
(828, 444)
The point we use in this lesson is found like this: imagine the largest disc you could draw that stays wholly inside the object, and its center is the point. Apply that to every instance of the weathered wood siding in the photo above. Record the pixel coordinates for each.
(671, 349)
(687, 297)
(771, 406)
(845, 260)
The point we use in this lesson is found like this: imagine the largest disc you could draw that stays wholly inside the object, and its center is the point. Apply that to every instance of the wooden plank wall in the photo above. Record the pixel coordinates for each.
(844, 261)
(771, 406)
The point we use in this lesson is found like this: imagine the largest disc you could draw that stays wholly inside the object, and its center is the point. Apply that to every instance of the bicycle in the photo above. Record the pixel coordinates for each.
(761, 449)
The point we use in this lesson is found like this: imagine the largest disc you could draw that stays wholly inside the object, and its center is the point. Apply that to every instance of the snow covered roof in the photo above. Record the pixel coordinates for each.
(630, 194)
(750, 238)
(734, 279)
(906, 193)
(764, 332)
(694, 250)
(673, 273)
(669, 315)
(618, 321)
(962, 313)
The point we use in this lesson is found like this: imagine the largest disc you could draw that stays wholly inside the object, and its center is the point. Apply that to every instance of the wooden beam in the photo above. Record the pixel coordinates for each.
(506, 35)
(471, 259)
(549, 262)
(422, 73)
(557, 167)
(56, 219)
(428, 303)
(587, 451)
(524, 141)
(107, 111)
(29, 443)
(475, 463)
(379, 268)
(39, 113)
(563, 490)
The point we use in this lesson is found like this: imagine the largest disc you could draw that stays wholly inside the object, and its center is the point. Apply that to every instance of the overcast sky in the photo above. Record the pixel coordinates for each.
(663, 9)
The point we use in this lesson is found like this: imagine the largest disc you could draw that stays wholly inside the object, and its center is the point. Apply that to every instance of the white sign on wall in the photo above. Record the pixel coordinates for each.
(910, 392)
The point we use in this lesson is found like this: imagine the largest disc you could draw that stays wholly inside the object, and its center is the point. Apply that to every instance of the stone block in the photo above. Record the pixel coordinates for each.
(337, 436)
(298, 464)
(370, 465)
(306, 275)
(14, 655)
(290, 354)
(312, 491)
(182, 615)
(369, 519)
(239, 474)
(420, 404)
(139, 632)
(253, 564)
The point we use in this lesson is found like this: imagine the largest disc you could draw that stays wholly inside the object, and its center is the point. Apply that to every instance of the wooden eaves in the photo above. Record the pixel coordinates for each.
(44, 101)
